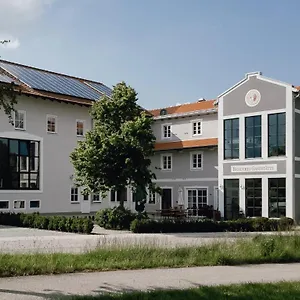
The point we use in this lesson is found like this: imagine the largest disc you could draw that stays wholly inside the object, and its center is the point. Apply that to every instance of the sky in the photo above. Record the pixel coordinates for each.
(170, 51)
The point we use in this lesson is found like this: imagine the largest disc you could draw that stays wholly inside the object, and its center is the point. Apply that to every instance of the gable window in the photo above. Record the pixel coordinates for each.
(51, 124)
(79, 127)
(20, 119)
(74, 194)
(253, 136)
(166, 162)
(166, 131)
(196, 160)
(231, 139)
(19, 164)
(197, 127)
(276, 134)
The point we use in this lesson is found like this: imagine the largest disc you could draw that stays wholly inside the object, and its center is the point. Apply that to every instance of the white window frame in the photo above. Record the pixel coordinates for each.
(5, 209)
(24, 119)
(35, 208)
(83, 127)
(163, 137)
(192, 168)
(196, 122)
(149, 196)
(96, 194)
(47, 118)
(187, 188)
(19, 200)
(73, 194)
(162, 162)
(27, 163)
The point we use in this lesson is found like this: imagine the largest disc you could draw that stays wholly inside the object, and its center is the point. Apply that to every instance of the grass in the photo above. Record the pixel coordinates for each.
(266, 291)
(258, 250)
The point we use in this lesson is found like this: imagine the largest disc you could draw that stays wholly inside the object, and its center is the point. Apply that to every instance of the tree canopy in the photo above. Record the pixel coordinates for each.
(116, 152)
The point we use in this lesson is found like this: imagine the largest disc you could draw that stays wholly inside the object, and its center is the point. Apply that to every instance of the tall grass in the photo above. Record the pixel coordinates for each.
(258, 250)
(266, 291)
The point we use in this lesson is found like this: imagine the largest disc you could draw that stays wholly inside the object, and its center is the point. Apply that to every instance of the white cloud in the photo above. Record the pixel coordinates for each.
(15, 15)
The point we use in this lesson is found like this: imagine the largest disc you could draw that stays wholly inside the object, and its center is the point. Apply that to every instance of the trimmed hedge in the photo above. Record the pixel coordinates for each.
(246, 225)
(57, 223)
(118, 218)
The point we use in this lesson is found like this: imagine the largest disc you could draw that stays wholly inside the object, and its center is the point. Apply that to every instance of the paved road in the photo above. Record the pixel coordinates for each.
(13, 240)
(51, 287)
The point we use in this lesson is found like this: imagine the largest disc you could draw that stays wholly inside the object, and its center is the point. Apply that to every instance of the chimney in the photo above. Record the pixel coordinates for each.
(201, 99)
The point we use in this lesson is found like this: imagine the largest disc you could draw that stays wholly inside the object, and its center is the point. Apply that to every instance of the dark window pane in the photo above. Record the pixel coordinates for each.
(231, 138)
(276, 132)
(277, 197)
(253, 195)
(14, 147)
(253, 137)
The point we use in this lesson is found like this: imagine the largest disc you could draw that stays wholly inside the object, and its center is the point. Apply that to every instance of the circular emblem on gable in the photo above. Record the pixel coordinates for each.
(252, 98)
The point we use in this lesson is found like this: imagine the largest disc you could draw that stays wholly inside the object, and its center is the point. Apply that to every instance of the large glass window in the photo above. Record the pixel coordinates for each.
(253, 197)
(19, 164)
(231, 199)
(276, 134)
(277, 197)
(253, 136)
(197, 198)
(231, 138)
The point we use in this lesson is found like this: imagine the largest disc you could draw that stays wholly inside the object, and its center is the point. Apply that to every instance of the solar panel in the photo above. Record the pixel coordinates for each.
(4, 78)
(100, 87)
(50, 82)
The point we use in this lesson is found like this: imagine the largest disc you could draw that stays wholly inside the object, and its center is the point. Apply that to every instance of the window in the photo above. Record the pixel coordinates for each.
(86, 197)
(79, 127)
(277, 197)
(34, 204)
(112, 196)
(51, 124)
(19, 204)
(276, 134)
(253, 197)
(19, 164)
(196, 161)
(231, 199)
(197, 127)
(166, 162)
(152, 198)
(20, 120)
(74, 194)
(166, 131)
(96, 198)
(118, 195)
(231, 138)
(4, 204)
(197, 198)
(253, 136)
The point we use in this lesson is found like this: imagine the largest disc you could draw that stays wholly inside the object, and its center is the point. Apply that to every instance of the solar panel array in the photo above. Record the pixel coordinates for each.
(50, 82)
(4, 78)
(100, 87)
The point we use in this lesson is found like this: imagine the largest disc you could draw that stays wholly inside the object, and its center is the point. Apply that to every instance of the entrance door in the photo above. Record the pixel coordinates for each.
(85, 204)
(166, 198)
(231, 199)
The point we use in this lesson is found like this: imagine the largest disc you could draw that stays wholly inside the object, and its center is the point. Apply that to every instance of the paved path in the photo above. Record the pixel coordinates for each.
(13, 240)
(51, 287)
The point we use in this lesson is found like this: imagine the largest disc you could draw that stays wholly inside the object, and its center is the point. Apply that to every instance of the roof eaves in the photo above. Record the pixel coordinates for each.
(187, 114)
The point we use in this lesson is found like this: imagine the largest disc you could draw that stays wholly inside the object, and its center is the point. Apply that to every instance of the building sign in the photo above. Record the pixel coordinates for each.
(252, 98)
(254, 168)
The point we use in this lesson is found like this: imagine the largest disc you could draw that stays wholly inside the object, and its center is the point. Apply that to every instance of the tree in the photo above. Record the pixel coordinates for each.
(116, 152)
(7, 95)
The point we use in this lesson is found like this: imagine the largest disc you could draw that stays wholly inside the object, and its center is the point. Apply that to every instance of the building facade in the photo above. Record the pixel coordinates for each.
(238, 153)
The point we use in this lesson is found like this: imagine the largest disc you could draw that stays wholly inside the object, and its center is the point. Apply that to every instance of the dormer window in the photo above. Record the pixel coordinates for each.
(166, 131)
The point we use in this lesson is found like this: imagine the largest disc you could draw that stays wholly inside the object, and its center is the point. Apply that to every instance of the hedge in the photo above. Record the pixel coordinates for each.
(58, 223)
(245, 224)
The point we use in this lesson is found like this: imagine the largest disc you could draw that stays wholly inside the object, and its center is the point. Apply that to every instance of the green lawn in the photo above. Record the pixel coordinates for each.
(258, 250)
(278, 291)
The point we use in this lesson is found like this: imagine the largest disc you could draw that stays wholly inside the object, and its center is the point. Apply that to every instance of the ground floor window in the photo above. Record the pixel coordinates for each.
(277, 197)
(253, 199)
(231, 199)
(197, 198)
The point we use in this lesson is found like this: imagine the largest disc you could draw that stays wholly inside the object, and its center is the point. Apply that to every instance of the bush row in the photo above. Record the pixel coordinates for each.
(245, 224)
(59, 223)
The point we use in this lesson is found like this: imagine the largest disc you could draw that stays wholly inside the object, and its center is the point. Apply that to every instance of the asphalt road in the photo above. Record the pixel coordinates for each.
(52, 287)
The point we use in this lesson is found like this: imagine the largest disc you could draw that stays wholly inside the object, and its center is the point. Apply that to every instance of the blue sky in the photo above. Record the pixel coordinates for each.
(170, 51)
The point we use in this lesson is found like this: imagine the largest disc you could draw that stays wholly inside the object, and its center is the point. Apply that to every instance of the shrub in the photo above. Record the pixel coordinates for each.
(35, 220)
(245, 224)
(118, 218)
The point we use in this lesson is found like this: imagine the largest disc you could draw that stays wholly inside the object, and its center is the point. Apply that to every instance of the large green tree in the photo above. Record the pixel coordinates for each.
(116, 152)
(7, 94)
